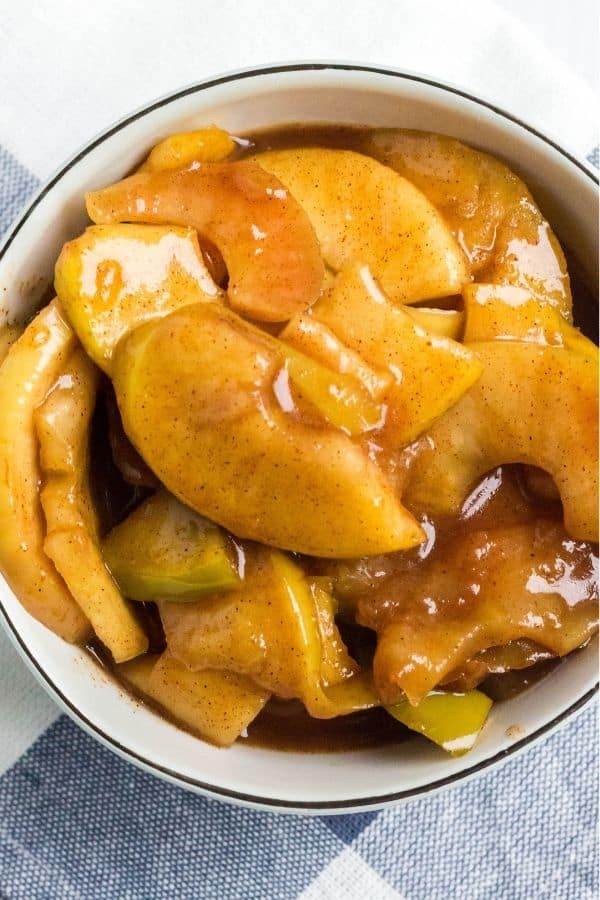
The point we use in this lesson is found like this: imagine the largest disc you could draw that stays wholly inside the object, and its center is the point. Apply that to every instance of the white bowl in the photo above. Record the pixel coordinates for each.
(242, 101)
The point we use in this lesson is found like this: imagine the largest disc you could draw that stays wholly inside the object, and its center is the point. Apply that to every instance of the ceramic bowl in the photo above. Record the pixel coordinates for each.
(322, 92)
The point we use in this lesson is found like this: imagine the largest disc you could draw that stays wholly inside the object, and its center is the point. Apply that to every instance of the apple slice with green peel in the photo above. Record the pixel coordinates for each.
(164, 550)
(365, 212)
(534, 404)
(115, 277)
(217, 706)
(334, 685)
(62, 425)
(208, 423)
(505, 237)
(27, 374)
(430, 373)
(276, 628)
(453, 721)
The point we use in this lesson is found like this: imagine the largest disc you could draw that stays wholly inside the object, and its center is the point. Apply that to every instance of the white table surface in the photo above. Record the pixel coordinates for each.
(571, 30)
(69, 69)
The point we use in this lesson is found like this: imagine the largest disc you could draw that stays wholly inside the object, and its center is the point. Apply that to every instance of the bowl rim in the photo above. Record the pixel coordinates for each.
(173, 776)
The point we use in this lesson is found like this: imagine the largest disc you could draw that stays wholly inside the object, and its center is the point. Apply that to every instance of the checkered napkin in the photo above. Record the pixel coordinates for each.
(75, 820)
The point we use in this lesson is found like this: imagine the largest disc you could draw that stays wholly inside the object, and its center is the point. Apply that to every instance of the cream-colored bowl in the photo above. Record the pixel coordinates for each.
(242, 101)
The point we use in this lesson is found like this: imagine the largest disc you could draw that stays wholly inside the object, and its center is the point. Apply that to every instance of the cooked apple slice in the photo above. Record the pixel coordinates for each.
(365, 212)
(313, 338)
(533, 404)
(341, 399)
(276, 629)
(207, 421)
(447, 323)
(507, 313)
(430, 373)
(115, 277)
(27, 374)
(209, 144)
(514, 656)
(165, 550)
(478, 590)
(265, 237)
(62, 424)
(217, 706)
(490, 210)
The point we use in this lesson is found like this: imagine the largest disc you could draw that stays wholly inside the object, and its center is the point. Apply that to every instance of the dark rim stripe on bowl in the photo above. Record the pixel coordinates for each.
(75, 713)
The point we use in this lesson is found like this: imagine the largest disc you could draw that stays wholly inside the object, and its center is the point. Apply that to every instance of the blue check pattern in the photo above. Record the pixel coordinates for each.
(78, 822)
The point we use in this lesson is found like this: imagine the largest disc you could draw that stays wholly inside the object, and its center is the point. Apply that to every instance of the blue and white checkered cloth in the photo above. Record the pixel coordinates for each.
(75, 820)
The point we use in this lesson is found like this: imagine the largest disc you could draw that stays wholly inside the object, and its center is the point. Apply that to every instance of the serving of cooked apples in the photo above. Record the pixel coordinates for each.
(308, 426)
